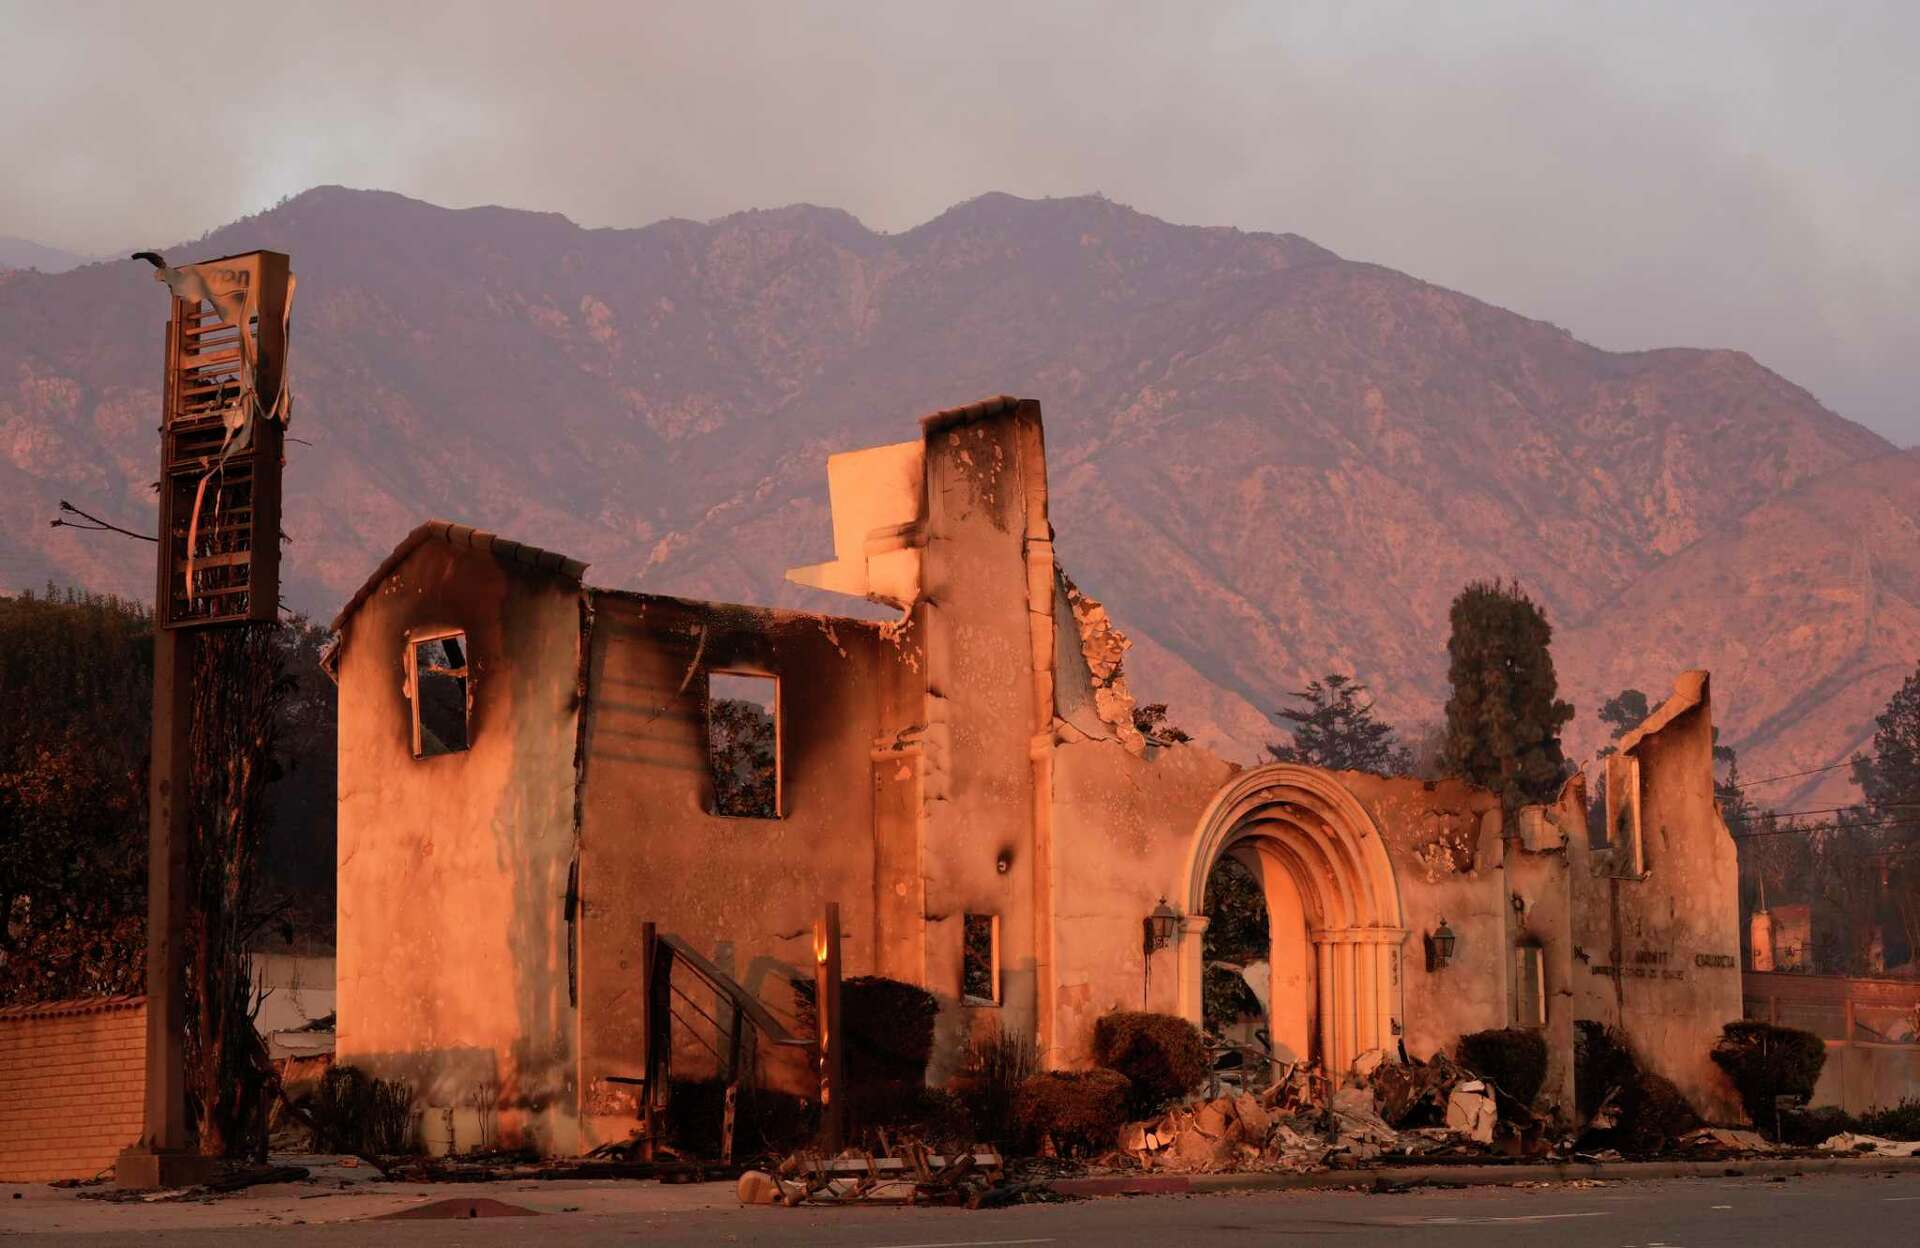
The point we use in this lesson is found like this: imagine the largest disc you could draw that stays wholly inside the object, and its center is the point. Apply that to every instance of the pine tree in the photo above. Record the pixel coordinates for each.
(1504, 716)
(1622, 713)
(1336, 729)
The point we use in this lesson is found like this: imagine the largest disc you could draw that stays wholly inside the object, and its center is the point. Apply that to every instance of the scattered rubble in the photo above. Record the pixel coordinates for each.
(1471, 1111)
(911, 1176)
(1879, 1146)
(1727, 1140)
(1436, 1110)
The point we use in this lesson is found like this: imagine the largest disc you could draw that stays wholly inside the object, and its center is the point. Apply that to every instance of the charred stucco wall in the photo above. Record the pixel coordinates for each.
(1444, 840)
(1123, 826)
(976, 758)
(983, 852)
(1658, 948)
(452, 948)
(1540, 886)
(745, 892)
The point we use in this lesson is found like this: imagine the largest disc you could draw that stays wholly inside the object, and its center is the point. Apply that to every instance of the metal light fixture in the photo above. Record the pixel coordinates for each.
(1440, 945)
(1161, 925)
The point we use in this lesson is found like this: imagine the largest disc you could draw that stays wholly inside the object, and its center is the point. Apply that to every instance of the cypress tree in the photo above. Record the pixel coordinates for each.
(1504, 716)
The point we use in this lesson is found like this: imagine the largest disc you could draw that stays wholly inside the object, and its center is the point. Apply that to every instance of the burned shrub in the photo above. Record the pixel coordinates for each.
(1162, 1056)
(1601, 1064)
(888, 1027)
(354, 1113)
(1080, 1111)
(1653, 1114)
(1809, 1128)
(1896, 1122)
(765, 1123)
(1766, 1062)
(933, 1116)
(1515, 1058)
(998, 1062)
(1625, 1107)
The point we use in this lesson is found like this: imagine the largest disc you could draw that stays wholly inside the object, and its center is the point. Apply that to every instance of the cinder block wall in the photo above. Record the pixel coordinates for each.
(73, 1083)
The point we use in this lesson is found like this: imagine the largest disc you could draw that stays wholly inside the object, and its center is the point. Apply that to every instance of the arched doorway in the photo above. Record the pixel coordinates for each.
(1333, 910)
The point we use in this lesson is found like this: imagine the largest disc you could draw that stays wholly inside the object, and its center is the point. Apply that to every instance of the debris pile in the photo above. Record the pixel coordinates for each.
(1386, 1109)
(1878, 1146)
(912, 1175)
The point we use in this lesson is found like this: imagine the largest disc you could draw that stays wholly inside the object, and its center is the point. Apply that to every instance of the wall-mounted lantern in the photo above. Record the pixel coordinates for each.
(1440, 946)
(1161, 925)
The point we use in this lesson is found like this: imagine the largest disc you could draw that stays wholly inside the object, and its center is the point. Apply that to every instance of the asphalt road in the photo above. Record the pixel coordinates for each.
(1846, 1211)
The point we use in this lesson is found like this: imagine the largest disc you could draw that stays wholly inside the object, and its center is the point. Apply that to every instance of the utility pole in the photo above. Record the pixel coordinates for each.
(223, 417)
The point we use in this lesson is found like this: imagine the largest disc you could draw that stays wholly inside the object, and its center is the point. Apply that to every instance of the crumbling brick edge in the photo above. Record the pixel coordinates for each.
(1475, 1176)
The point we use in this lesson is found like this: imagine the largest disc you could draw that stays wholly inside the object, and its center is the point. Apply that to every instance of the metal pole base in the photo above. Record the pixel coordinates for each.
(141, 1167)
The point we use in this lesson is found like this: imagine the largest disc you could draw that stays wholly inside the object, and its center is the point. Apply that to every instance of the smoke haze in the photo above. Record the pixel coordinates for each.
(1715, 174)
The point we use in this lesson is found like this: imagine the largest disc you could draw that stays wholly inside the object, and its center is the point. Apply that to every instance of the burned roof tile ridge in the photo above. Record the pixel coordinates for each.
(953, 417)
(464, 537)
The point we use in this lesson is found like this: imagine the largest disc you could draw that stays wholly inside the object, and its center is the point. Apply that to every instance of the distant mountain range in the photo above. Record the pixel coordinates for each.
(21, 253)
(1270, 461)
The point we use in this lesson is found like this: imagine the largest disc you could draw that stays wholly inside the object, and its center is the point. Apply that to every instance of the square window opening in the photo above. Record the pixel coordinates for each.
(437, 687)
(743, 744)
(1530, 986)
(980, 968)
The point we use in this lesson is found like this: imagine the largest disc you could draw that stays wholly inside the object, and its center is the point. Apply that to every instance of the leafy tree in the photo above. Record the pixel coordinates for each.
(76, 675)
(1151, 722)
(1237, 932)
(298, 859)
(1336, 729)
(742, 748)
(1504, 716)
(1236, 913)
(1889, 817)
(1889, 778)
(1776, 858)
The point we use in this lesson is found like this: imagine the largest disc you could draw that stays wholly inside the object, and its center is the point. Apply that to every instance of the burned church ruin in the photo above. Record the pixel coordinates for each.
(533, 769)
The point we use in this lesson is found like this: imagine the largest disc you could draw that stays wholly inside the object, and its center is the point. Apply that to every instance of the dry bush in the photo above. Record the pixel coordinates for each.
(997, 1064)
(1081, 1111)
(1765, 1062)
(1515, 1058)
(1162, 1056)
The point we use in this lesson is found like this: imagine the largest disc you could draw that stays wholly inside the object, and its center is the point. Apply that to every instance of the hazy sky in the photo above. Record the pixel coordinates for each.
(1698, 174)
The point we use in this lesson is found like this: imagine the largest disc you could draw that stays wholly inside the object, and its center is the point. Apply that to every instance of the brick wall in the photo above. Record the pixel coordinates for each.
(72, 1086)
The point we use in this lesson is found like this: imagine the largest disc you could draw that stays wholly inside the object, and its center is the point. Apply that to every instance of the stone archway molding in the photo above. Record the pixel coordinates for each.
(1340, 864)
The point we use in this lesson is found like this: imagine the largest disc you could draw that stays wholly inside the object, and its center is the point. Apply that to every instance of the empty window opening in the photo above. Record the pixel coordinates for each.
(743, 744)
(1530, 986)
(980, 969)
(437, 687)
